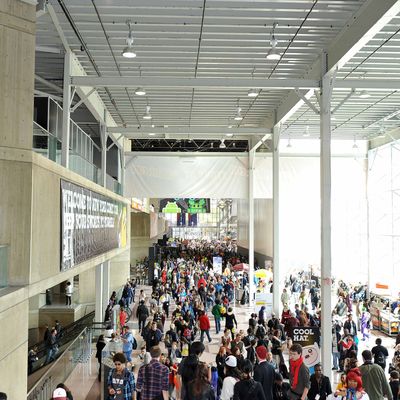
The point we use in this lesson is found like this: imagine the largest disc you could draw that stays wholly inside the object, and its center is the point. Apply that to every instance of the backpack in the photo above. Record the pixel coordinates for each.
(260, 332)
(134, 343)
(379, 358)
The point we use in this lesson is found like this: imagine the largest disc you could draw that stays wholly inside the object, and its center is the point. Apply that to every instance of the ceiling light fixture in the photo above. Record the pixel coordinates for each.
(229, 134)
(273, 53)
(140, 92)
(147, 114)
(222, 144)
(238, 116)
(364, 95)
(307, 132)
(381, 133)
(128, 51)
(289, 143)
(355, 147)
(252, 93)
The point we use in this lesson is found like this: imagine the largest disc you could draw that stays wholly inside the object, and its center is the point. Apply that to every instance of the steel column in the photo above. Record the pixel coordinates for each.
(251, 226)
(103, 137)
(66, 111)
(98, 313)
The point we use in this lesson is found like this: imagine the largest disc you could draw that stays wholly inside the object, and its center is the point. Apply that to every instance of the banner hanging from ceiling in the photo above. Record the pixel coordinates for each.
(91, 224)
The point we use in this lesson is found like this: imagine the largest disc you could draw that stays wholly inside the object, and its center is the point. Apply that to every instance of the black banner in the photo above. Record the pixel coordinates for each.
(308, 337)
(91, 224)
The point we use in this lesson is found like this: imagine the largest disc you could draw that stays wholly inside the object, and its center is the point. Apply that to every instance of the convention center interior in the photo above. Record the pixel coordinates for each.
(200, 199)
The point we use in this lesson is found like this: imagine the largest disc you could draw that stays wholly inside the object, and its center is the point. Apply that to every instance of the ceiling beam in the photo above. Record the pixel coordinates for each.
(368, 21)
(134, 131)
(192, 83)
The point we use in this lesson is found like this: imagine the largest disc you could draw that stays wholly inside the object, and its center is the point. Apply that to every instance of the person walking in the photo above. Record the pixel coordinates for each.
(128, 343)
(204, 324)
(264, 372)
(101, 343)
(299, 374)
(120, 381)
(153, 336)
(354, 388)
(320, 385)
(380, 353)
(374, 379)
(232, 376)
(153, 379)
(230, 320)
(216, 311)
(248, 388)
(51, 346)
(199, 388)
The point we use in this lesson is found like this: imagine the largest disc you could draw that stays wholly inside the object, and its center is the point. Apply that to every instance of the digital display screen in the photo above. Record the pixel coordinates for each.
(181, 206)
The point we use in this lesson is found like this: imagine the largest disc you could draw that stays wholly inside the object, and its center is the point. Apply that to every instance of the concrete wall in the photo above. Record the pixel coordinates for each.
(263, 228)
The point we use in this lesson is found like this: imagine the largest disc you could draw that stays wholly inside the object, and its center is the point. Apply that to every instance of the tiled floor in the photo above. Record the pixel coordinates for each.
(84, 385)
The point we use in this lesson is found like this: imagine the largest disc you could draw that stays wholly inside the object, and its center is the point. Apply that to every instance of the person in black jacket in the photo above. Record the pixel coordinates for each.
(264, 373)
(142, 314)
(320, 385)
(350, 325)
(247, 388)
(230, 320)
(199, 388)
(99, 348)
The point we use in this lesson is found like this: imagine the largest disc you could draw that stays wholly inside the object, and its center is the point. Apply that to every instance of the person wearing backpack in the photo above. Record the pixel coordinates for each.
(247, 388)
(120, 381)
(128, 343)
(216, 311)
(380, 353)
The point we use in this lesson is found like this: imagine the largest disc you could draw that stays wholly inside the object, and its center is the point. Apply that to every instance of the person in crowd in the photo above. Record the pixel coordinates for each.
(51, 346)
(320, 385)
(59, 394)
(230, 322)
(67, 390)
(46, 333)
(101, 343)
(355, 386)
(341, 386)
(373, 378)
(280, 388)
(128, 343)
(204, 324)
(299, 374)
(142, 313)
(187, 368)
(350, 325)
(336, 328)
(200, 388)
(380, 353)
(232, 375)
(216, 312)
(120, 381)
(251, 352)
(248, 388)
(220, 361)
(272, 362)
(32, 358)
(394, 384)
(69, 290)
(153, 379)
(153, 336)
(350, 362)
(264, 372)
(285, 298)
(364, 324)
(174, 353)
(123, 316)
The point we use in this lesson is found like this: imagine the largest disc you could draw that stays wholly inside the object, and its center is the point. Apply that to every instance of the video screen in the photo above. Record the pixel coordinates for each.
(182, 206)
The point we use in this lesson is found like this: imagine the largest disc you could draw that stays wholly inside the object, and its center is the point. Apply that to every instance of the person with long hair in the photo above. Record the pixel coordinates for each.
(247, 387)
(199, 388)
(232, 375)
(355, 390)
(220, 361)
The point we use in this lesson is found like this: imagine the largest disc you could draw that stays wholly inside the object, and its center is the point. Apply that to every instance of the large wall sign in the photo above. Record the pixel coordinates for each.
(91, 224)
(308, 337)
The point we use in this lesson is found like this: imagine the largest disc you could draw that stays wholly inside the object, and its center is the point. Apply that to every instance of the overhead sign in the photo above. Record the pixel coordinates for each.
(190, 206)
(264, 299)
(91, 224)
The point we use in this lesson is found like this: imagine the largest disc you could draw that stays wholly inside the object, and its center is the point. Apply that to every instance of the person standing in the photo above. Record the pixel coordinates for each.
(199, 388)
(142, 313)
(264, 372)
(299, 374)
(153, 336)
(204, 323)
(394, 384)
(120, 381)
(285, 297)
(248, 388)
(320, 385)
(101, 343)
(350, 325)
(216, 311)
(354, 386)
(51, 346)
(69, 290)
(152, 381)
(232, 376)
(373, 379)
(230, 320)
(380, 353)
(128, 343)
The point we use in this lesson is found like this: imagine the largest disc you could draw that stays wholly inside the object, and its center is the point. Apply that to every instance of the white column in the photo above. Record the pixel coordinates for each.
(103, 138)
(106, 283)
(98, 313)
(326, 273)
(122, 166)
(66, 110)
(251, 226)
(275, 161)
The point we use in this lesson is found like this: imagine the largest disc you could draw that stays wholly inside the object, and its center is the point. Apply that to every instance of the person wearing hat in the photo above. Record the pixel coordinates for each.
(264, 372)
(355, 390)
(232, 375)
(59, 394)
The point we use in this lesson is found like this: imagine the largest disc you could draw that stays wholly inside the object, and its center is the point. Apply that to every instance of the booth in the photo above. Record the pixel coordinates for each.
(382, 317)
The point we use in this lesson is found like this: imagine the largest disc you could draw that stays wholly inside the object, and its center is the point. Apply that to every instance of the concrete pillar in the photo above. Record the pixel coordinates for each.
(326, 272)
(122, 170)
(17, 63)
(106, 284)
(87, 288)
(103, 138)
(251, 225)
(98, 316)
(66, 110)
(276, 281)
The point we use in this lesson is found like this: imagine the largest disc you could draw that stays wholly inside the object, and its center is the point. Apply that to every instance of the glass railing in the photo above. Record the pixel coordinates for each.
(46, 144)
(78, 352)
(3, 266)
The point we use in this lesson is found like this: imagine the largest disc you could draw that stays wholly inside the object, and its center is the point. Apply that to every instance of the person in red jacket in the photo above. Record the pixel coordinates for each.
(201, 281)
(204, 323)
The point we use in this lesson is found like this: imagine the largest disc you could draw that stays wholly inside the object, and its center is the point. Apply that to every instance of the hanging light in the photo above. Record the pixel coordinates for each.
(273, 53)
(253, 93)
(355, 147)
(381, 133)
(147, 114)
(128, 51)
(222, 144)
(289, 143)
(364, 95)
(140, 92)
(307, 132)
(238, 116)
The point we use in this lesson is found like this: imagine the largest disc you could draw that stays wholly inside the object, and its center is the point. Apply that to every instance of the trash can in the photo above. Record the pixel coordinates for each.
(49, 297)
